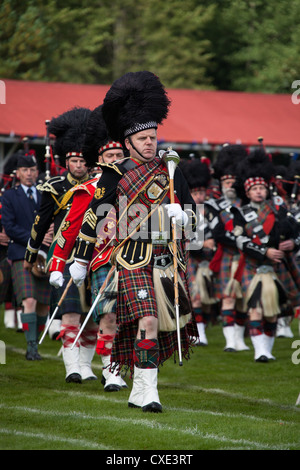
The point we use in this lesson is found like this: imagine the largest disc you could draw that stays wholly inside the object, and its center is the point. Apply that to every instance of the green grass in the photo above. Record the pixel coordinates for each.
(215, 401)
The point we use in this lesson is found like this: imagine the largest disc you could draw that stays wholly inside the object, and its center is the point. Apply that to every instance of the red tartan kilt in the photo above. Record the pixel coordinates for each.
(222, 278)
(283, 275)
(136, 299)
(192, 268)
(288, 283)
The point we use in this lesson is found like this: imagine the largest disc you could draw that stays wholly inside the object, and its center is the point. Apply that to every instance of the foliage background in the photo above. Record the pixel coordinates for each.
(243, 45)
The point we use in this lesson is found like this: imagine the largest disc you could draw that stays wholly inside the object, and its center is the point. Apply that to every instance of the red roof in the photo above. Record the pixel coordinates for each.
(212, 117)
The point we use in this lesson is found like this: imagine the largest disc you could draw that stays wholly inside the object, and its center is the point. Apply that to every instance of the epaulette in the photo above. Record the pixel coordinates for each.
(85, 186)
(112, 166)
(48, 186)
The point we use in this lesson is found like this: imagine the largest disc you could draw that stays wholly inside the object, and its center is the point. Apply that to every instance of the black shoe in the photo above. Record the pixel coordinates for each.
(132, 405)
(32, 352)
(153, 407)
(230, 350)
(92, 377)
(262, 359)
(111, 387)
(76, 378)
(33, 356)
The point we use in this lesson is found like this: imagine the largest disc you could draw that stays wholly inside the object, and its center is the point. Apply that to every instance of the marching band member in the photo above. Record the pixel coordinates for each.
(19, 208)
(69, 129)
(146, 334)
(225, 260)
(200, 276)
(97, 147)
(266, 236)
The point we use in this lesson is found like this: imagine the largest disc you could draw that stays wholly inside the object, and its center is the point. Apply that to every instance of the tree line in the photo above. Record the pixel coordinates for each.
(242, 45)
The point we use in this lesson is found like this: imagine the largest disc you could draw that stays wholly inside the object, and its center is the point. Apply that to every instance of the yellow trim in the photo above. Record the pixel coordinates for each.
(87, 238)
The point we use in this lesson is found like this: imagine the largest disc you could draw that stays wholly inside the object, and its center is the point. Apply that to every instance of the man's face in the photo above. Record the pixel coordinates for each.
(111, 155)
(257, 193)
(77, 167)
(27, 176)
(145, 142)
(227, 189)
(199, 195)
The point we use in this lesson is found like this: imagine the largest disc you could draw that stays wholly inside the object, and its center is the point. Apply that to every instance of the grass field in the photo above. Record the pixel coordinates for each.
(215, 401)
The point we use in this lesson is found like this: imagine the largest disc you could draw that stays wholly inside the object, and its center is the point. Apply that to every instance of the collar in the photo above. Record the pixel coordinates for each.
(25, 188)
(74, 181)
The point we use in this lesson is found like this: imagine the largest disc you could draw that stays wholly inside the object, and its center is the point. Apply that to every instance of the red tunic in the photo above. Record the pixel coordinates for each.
(83, 194)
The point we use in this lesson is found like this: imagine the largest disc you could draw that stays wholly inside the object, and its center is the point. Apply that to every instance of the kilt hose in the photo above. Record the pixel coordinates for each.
(97, 279)
(26, 285)
(77, 299)
(136, 299)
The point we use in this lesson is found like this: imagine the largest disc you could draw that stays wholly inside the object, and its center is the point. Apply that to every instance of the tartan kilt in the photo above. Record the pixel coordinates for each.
(192, 267)
(26, 285)
(281, 272)
(6, 284)
(97, 279)
(73, 302)
(200, 292)
(131, 306)
(288, 283)
(222, 278)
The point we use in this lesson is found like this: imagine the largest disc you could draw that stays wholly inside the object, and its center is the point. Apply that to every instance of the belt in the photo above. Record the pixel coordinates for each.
(264, 269)
(154, 237)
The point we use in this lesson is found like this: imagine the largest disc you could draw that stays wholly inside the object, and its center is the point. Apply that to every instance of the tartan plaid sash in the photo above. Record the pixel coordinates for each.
(265, 218)
(146, 186)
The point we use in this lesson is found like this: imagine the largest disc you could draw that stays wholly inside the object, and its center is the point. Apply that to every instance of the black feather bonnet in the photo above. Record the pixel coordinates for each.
(136, 101)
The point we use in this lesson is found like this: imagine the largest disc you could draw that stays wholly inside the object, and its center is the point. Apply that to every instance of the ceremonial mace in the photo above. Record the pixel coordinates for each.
(56, 309)
(47, 154)
(172, 159)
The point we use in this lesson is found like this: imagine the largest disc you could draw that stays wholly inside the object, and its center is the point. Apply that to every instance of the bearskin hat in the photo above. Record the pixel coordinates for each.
(227, 160)
(257, 168)
(69, 129)
(196, 173)
(136, 101)
(97, 139)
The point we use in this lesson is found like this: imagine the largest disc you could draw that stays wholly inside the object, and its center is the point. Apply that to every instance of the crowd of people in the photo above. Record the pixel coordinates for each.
(140, 250)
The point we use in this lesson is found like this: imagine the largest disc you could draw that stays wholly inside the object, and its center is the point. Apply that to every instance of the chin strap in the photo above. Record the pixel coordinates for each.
(132, 145)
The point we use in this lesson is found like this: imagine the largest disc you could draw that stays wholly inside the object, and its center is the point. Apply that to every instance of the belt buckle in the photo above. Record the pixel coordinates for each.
(159, 238)
(264, 269)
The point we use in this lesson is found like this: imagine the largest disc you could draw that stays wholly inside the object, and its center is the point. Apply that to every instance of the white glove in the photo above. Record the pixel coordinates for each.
(56, 279)
(175, 210)
(78, 273)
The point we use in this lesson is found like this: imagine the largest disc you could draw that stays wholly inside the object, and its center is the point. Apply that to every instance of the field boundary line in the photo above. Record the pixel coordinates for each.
(194, 431)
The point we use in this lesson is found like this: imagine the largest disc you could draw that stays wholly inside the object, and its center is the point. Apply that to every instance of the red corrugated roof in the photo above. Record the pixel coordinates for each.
(195, 116)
